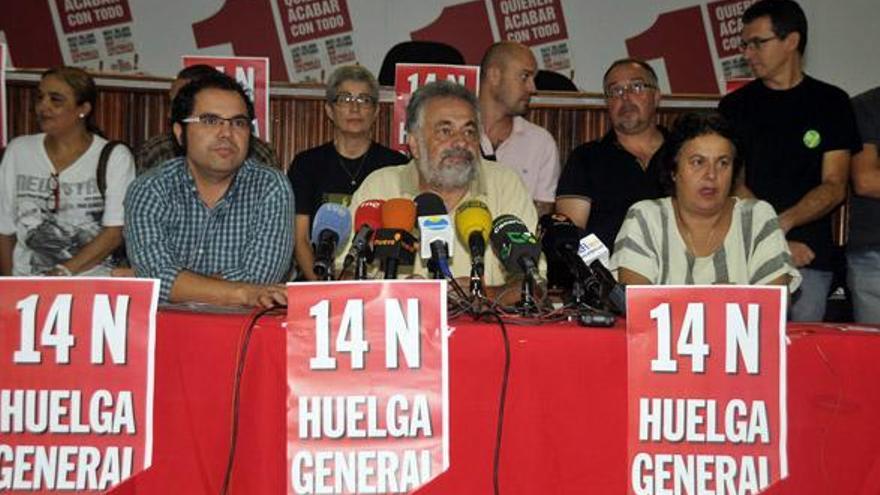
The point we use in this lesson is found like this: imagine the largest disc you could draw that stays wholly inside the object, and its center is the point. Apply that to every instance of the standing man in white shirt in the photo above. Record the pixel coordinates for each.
(507, 83)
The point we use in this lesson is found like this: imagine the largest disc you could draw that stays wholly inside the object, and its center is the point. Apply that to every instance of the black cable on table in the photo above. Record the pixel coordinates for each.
(236, 391)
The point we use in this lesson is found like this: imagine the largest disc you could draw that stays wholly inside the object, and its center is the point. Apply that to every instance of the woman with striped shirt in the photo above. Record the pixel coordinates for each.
(702, 234)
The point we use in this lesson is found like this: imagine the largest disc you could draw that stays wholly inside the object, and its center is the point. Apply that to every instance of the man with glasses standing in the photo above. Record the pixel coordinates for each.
(333, 171)
(798, 134)
(603, 178)
(213, 225)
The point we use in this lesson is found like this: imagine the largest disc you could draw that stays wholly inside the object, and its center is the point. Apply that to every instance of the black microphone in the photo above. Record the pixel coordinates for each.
(516, 247)
(560, 239)
(518, 251)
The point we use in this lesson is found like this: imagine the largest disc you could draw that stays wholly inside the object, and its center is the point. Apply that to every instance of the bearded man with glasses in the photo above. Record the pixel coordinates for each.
(443, 135)
(603, 178)
(213, 225)
(798, 135)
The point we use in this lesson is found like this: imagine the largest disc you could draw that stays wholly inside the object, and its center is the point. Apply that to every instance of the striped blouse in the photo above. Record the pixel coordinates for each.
(754, 251)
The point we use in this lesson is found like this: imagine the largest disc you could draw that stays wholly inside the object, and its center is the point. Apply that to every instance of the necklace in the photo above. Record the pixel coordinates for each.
(707, 245)
(692, 245)
(357, 172)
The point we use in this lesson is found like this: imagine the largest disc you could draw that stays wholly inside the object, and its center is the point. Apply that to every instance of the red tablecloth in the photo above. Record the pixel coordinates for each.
(565, 420)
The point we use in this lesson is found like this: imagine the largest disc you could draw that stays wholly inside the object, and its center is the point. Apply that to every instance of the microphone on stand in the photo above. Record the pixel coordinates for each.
(518, 251)
(330, 232)
(368, 220)
(437, 237)
(394, 245)
(559, 241)
(595, 255)
(473, 222)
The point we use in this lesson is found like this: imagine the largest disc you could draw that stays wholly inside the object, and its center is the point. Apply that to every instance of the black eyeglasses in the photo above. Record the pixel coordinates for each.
(53, 202)
(754, 43)
(238, 123)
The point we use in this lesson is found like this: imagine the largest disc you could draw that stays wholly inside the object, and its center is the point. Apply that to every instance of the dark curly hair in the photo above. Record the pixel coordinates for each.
(687, 127)
(185, 101)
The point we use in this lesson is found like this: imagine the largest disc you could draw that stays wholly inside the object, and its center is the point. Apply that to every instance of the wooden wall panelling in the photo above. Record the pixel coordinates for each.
(134, 114)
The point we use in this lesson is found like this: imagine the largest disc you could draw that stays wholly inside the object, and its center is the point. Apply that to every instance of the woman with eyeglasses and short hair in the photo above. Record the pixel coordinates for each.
(330, 173)
(55, 218)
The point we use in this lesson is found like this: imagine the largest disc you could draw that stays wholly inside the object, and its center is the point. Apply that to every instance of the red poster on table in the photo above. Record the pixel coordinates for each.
(410, 77)
(76, 382)
(706, 389)
(368, 407)
(253, 74)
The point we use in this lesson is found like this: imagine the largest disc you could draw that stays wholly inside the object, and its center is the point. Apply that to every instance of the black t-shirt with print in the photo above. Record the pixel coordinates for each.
(320, 175)
(785, 134)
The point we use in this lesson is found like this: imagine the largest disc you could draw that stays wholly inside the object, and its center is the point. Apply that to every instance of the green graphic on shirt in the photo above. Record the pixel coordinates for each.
(812, 138)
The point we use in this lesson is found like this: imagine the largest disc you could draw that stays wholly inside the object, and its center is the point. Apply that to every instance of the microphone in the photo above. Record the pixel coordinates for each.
(591, 248)
(367, 219)
(393, 244)
(437, 237)
(330, 232)
(595, 254)
(473, 222)
(560, 241)
(516, 247)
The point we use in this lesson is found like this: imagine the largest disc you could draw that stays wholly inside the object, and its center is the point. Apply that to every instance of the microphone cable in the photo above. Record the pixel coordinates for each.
(502, 400)
(241, 357)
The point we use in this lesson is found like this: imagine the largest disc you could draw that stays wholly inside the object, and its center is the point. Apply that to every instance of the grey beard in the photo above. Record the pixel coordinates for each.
(443, 177)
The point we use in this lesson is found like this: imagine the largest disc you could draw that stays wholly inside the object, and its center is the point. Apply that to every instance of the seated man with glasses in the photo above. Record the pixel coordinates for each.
(213, 225)
(603, 178)
(331, 172)
(798, 134)
(443, 135)
(161, 148)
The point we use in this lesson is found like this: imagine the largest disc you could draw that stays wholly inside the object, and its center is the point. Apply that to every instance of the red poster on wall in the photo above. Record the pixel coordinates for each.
(707, 389)
(253, 74)
(76, 382)
(410, 77)
(367, 372)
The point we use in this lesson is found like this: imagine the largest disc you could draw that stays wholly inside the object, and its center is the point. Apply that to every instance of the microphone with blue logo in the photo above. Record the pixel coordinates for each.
(437, 235)
(330, 232)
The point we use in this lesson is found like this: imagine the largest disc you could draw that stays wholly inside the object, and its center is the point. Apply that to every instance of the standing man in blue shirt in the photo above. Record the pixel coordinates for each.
(212, 225)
